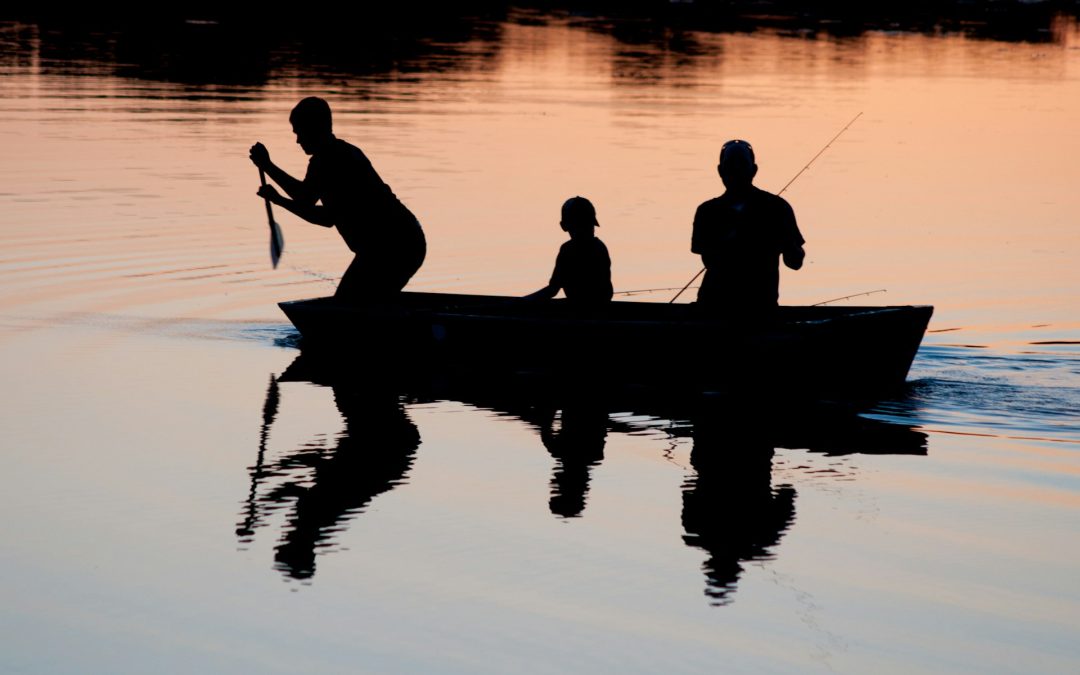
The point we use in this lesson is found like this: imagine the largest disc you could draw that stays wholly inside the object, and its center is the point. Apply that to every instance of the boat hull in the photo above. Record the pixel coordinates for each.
(822, 351)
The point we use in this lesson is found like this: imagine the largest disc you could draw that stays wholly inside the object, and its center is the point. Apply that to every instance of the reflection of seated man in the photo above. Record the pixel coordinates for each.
(730, 508)
(583, 267)
(386, 238)
(741, 234)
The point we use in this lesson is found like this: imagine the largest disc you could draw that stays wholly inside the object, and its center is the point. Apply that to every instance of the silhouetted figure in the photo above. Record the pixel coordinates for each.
(730, 508)
(577, 445)
(741, 234)
(385, 236)
(326, 487)
(583, 267)
(373, 455)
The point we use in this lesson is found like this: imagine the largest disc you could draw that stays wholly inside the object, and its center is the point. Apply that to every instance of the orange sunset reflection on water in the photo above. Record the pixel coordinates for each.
(184, 490)
(953, 188)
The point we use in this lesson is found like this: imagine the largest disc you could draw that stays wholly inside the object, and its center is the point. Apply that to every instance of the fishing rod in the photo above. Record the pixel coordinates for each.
(846, 297)
(702, 271)
(647, 290)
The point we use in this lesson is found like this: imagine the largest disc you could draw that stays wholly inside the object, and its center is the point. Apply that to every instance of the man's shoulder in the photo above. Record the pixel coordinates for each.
(709, 209)
(339, 152)
(583, 247)
(766, 197)
(713, 203)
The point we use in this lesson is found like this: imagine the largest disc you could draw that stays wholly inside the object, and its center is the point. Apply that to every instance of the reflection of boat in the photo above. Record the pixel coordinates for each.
(733, 509)
(827, 427)
(849, 351)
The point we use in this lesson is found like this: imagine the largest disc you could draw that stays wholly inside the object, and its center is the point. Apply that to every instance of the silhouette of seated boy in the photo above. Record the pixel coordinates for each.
(583, 267)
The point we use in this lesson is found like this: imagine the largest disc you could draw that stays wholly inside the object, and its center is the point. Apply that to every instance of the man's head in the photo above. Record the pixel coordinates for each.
(737, 167)
(578, 216)
(312, 123)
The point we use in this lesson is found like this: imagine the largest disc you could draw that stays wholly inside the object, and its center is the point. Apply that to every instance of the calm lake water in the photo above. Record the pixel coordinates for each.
(172, 503)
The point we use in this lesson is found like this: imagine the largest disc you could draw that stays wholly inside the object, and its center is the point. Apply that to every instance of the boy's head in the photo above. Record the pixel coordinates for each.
(578, 216)
(737, 166)
(312, 123)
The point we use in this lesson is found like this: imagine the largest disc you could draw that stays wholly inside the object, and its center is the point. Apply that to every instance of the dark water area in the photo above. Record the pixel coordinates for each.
(211, 46)
(187, 489)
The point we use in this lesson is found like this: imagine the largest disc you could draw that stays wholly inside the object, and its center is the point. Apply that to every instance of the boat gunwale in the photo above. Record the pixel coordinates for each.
(478, 313)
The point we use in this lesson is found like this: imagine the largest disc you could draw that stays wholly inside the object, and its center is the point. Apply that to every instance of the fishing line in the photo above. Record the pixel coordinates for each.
(315, 275)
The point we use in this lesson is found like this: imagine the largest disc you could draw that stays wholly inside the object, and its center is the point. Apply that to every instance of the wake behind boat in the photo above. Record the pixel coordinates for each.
(851, 352)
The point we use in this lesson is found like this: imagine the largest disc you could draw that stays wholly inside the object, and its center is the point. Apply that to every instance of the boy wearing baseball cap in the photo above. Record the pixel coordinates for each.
(583, 267)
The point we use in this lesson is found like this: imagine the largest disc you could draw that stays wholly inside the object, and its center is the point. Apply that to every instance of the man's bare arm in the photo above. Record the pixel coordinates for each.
(793, 257)
(293, 187)
(313, 213)
(545, 293)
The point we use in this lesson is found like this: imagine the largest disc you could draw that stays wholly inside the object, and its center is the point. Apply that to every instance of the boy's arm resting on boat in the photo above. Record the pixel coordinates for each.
(553, 285)
(546, 293)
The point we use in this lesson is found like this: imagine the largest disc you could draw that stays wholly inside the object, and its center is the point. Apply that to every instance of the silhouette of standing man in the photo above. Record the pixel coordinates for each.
(741, 234)
(384, 235)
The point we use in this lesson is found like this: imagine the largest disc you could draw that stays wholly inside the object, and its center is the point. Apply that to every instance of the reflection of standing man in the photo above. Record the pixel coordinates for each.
(373, 455)
(385, 236)
(740, 235)
(730, 508)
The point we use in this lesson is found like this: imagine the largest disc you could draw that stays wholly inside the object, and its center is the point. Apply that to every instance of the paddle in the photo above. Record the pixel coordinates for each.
(277, 241)
(246, 529)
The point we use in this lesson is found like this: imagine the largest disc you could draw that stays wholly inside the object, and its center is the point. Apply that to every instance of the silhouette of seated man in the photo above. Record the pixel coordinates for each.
(583, 267)
(342, 189)
(741, 234)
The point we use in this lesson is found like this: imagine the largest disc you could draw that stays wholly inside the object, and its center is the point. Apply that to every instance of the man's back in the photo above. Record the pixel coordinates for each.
(365, 208)
(740, 238)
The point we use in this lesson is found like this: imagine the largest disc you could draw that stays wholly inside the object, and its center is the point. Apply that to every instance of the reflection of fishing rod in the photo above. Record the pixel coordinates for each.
(779, 193)
(825, 302)
(270, 408)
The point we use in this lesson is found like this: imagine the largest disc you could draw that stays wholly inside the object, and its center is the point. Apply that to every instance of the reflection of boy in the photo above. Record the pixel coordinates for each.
(385, 236)
(741, 234)
(583, 267)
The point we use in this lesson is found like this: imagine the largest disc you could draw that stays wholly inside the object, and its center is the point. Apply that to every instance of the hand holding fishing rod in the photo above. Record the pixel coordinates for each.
(740, 173)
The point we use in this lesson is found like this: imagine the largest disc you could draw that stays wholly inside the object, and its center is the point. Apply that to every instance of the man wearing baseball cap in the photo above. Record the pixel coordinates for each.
(741, 236)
